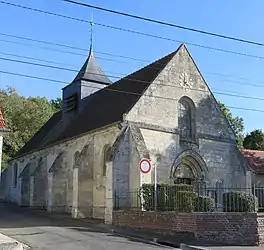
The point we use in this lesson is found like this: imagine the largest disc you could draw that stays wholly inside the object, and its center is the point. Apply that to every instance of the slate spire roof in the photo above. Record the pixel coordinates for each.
(106, 106)
(90, 71)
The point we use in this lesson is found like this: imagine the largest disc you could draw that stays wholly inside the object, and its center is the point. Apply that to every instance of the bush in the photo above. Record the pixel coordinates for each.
(184, 201)
(167, 196)
(147, 192)
(204, 204)
(239, 202)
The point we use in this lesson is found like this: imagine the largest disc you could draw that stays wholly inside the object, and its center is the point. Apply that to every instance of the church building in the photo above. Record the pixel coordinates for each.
(87, 155)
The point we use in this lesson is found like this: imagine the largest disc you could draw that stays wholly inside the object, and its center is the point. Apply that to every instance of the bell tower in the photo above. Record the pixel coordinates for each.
(89, 80)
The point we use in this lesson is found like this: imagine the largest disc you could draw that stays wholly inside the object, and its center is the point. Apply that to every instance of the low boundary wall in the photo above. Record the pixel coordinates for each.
(245, 229)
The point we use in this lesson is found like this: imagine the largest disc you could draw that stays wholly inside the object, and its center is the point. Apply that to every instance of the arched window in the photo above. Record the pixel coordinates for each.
(186, 118)
(107, 158)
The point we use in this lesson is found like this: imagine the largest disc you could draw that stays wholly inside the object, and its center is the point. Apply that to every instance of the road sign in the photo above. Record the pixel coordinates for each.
(145, 166)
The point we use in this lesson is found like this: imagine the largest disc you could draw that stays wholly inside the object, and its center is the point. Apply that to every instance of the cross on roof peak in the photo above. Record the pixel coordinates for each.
(91, 30)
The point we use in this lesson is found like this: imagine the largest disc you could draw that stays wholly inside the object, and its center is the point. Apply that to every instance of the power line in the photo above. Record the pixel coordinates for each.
(114, 90)
(165, 23)
(114, 60)
(127, 78)
(135, 32)
(33, 58)
(72, 47)
(62, 51)
(120, 74)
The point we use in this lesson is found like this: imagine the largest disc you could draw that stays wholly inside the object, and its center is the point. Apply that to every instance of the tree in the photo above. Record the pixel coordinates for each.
(57, 104)
(24, 117)
(237, 124)
(254, 140)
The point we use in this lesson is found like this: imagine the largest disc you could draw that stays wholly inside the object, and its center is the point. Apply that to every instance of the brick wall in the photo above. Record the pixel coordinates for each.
(261, 227)
(202, 228)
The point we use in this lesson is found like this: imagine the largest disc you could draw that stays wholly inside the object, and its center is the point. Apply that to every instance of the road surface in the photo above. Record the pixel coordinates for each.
(41, 231)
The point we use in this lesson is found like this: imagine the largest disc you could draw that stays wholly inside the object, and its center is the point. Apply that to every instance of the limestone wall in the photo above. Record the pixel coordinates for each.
(156, 113)
(121, 169)
(62, 188)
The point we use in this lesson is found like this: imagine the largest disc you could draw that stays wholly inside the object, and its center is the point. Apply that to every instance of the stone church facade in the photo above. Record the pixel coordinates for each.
(88, 155)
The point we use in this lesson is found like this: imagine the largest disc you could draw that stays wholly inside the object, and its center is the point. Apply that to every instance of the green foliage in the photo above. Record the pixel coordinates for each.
(254, 140)
(170, 197)
(237, 124)
(204, 204)
(147, 192)
(184, 201)
(56, 104)
(24, 117)
(239, 202)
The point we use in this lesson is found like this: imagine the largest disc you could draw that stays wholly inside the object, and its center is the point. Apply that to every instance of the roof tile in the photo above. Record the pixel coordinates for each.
(255, 159)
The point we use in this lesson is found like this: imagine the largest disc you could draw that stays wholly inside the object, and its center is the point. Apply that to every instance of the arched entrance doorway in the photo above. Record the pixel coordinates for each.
(189, 168)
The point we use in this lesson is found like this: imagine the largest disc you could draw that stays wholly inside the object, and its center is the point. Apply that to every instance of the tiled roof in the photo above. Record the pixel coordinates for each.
(255, 159)
(105, 107)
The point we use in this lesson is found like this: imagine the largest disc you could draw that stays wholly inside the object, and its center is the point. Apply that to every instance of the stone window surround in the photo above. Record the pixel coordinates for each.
(186, 118)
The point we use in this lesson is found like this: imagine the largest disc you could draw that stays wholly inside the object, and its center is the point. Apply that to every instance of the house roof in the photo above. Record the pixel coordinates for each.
(90, 71)
(105, 107)
(255, 159)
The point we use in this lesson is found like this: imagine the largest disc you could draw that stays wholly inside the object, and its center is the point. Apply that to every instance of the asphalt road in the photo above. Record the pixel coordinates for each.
(41, 231)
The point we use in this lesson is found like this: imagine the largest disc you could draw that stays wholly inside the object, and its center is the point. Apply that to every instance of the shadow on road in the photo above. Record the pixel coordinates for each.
(13, 216)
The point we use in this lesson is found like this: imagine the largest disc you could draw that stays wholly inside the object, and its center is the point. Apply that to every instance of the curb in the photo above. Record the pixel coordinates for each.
(156, 241)
(152, 241)
(144, 239)
(187, 247)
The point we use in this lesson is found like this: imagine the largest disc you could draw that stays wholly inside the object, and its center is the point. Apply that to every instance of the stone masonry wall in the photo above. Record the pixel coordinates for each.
(216, 140)
(121, 172)
(202, 228)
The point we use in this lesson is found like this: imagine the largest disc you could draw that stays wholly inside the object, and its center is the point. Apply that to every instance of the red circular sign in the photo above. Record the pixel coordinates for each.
(145, 166)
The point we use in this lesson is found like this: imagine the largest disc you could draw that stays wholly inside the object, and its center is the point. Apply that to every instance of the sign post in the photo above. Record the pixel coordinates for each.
(145, 167)
(155, 189)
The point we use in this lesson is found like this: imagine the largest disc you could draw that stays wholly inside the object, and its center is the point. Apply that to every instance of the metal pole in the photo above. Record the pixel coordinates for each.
(155, 188)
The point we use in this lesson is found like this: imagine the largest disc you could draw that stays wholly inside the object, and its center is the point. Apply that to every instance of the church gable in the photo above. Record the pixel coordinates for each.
(178, 88)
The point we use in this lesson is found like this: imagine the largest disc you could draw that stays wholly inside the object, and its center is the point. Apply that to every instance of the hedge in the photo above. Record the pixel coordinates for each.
(184, 201)
(204, 204)
(171, 197)
(239, 202)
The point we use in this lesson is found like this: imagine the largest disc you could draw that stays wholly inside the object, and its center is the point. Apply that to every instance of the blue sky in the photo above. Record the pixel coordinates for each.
(242, 19)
